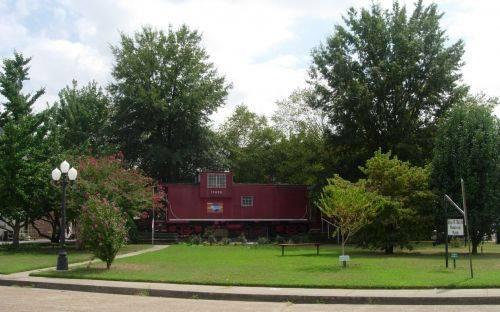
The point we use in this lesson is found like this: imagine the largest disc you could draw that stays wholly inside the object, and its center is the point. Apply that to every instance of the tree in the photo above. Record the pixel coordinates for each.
(106, 177)
(300, 158)
(23, 148)
(294, 115)
(165, 89)
(301, 151)
(349, 205)
(291, 150)
(103, 228)
(468, 147)
(384, 79)
(249, 144)
(406, 214)
(82, 119)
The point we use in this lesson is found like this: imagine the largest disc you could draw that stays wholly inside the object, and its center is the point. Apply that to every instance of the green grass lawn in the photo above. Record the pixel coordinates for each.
(300, 267)
(38, 256)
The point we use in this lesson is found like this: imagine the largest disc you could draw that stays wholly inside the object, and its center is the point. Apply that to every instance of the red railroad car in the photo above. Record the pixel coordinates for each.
(215, 201)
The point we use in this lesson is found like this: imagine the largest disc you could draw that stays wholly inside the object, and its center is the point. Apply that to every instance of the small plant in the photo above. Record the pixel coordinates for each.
(300, 238)
(242, 238)
(104, 228)
(212, 239)
(279, 239)
(225, 241)
(262, 240)
(195, 239)
(208, 231)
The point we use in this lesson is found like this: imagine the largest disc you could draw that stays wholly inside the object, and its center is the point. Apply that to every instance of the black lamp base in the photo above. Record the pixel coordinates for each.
(62, 261)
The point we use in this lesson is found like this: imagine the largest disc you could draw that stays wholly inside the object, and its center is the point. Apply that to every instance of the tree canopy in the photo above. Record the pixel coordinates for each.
(468, 147)
(81, 119)
(406, 215)
(164, 91)
(288, 150)
(24, 149)
(349, 205)
(383, 79)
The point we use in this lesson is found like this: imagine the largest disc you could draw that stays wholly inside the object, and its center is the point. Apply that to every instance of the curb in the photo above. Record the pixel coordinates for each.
(136, 291)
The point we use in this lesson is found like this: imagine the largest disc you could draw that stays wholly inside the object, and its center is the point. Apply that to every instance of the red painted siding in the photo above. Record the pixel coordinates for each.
(189, 202)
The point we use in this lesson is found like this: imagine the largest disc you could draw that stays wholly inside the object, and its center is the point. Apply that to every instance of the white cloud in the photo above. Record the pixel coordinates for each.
(57, 62)
(247, 40)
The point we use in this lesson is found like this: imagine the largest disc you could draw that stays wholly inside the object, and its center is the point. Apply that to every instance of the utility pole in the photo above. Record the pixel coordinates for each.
(153, 220)
(467, 226)
(445, 232)
(466, 221)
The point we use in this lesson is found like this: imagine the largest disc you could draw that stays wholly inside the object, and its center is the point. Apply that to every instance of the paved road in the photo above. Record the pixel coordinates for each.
(18, 299)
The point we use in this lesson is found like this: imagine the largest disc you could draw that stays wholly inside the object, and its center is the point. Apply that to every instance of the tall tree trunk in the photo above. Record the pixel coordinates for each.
(343, 245)
(474, 246)
(15, 237)
(54, 237)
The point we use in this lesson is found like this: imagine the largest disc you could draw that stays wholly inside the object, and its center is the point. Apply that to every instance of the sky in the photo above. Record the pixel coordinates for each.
(262, 47)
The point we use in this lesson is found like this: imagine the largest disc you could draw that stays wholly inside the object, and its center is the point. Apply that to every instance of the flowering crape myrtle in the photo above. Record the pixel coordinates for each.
(104, 229)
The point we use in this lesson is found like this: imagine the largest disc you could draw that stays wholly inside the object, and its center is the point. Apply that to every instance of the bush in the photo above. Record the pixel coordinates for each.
(279, 239)
(242, 238)
(300, 238)
(211, 239)
(225, 241)
(262, 240)
(103, 228)
(195, 240)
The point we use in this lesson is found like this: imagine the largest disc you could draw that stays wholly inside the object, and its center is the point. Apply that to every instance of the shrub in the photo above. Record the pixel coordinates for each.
(262, 240)
(301, 238)
(279, 239)
(103, 228)
(242, 238)
(195, 239)
(211, 239)
(225, 241)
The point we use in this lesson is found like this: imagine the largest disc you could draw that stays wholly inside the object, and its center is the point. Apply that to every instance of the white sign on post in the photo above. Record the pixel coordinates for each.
(344, 258)
(456, 227)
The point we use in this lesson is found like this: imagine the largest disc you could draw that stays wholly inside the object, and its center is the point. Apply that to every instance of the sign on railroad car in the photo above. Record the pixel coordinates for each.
(215, 207)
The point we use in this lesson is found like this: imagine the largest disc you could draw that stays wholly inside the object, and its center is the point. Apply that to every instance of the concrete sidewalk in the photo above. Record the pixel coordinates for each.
(265, 294)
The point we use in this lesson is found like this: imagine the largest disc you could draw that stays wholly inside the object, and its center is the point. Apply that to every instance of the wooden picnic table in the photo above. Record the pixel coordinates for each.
(300, 244)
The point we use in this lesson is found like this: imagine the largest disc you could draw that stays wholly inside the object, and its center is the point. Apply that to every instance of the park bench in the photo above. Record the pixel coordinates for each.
(300, 244)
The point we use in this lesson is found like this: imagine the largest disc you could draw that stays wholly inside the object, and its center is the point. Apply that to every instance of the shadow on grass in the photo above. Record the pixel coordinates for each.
(82, 270)
(44, 248)
(459, 284)
(332, 268)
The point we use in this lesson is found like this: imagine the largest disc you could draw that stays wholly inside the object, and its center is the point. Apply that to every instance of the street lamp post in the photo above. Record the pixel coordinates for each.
(68, 175)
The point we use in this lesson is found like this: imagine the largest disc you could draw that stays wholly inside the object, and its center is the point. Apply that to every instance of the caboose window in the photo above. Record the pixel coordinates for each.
(216, 180)
(246, 201)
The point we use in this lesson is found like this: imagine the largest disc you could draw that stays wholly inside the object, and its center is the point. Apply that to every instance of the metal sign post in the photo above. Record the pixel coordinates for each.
(464, 213)
(445, 233)
(454, 256)
(467, 226)
(153, 221)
